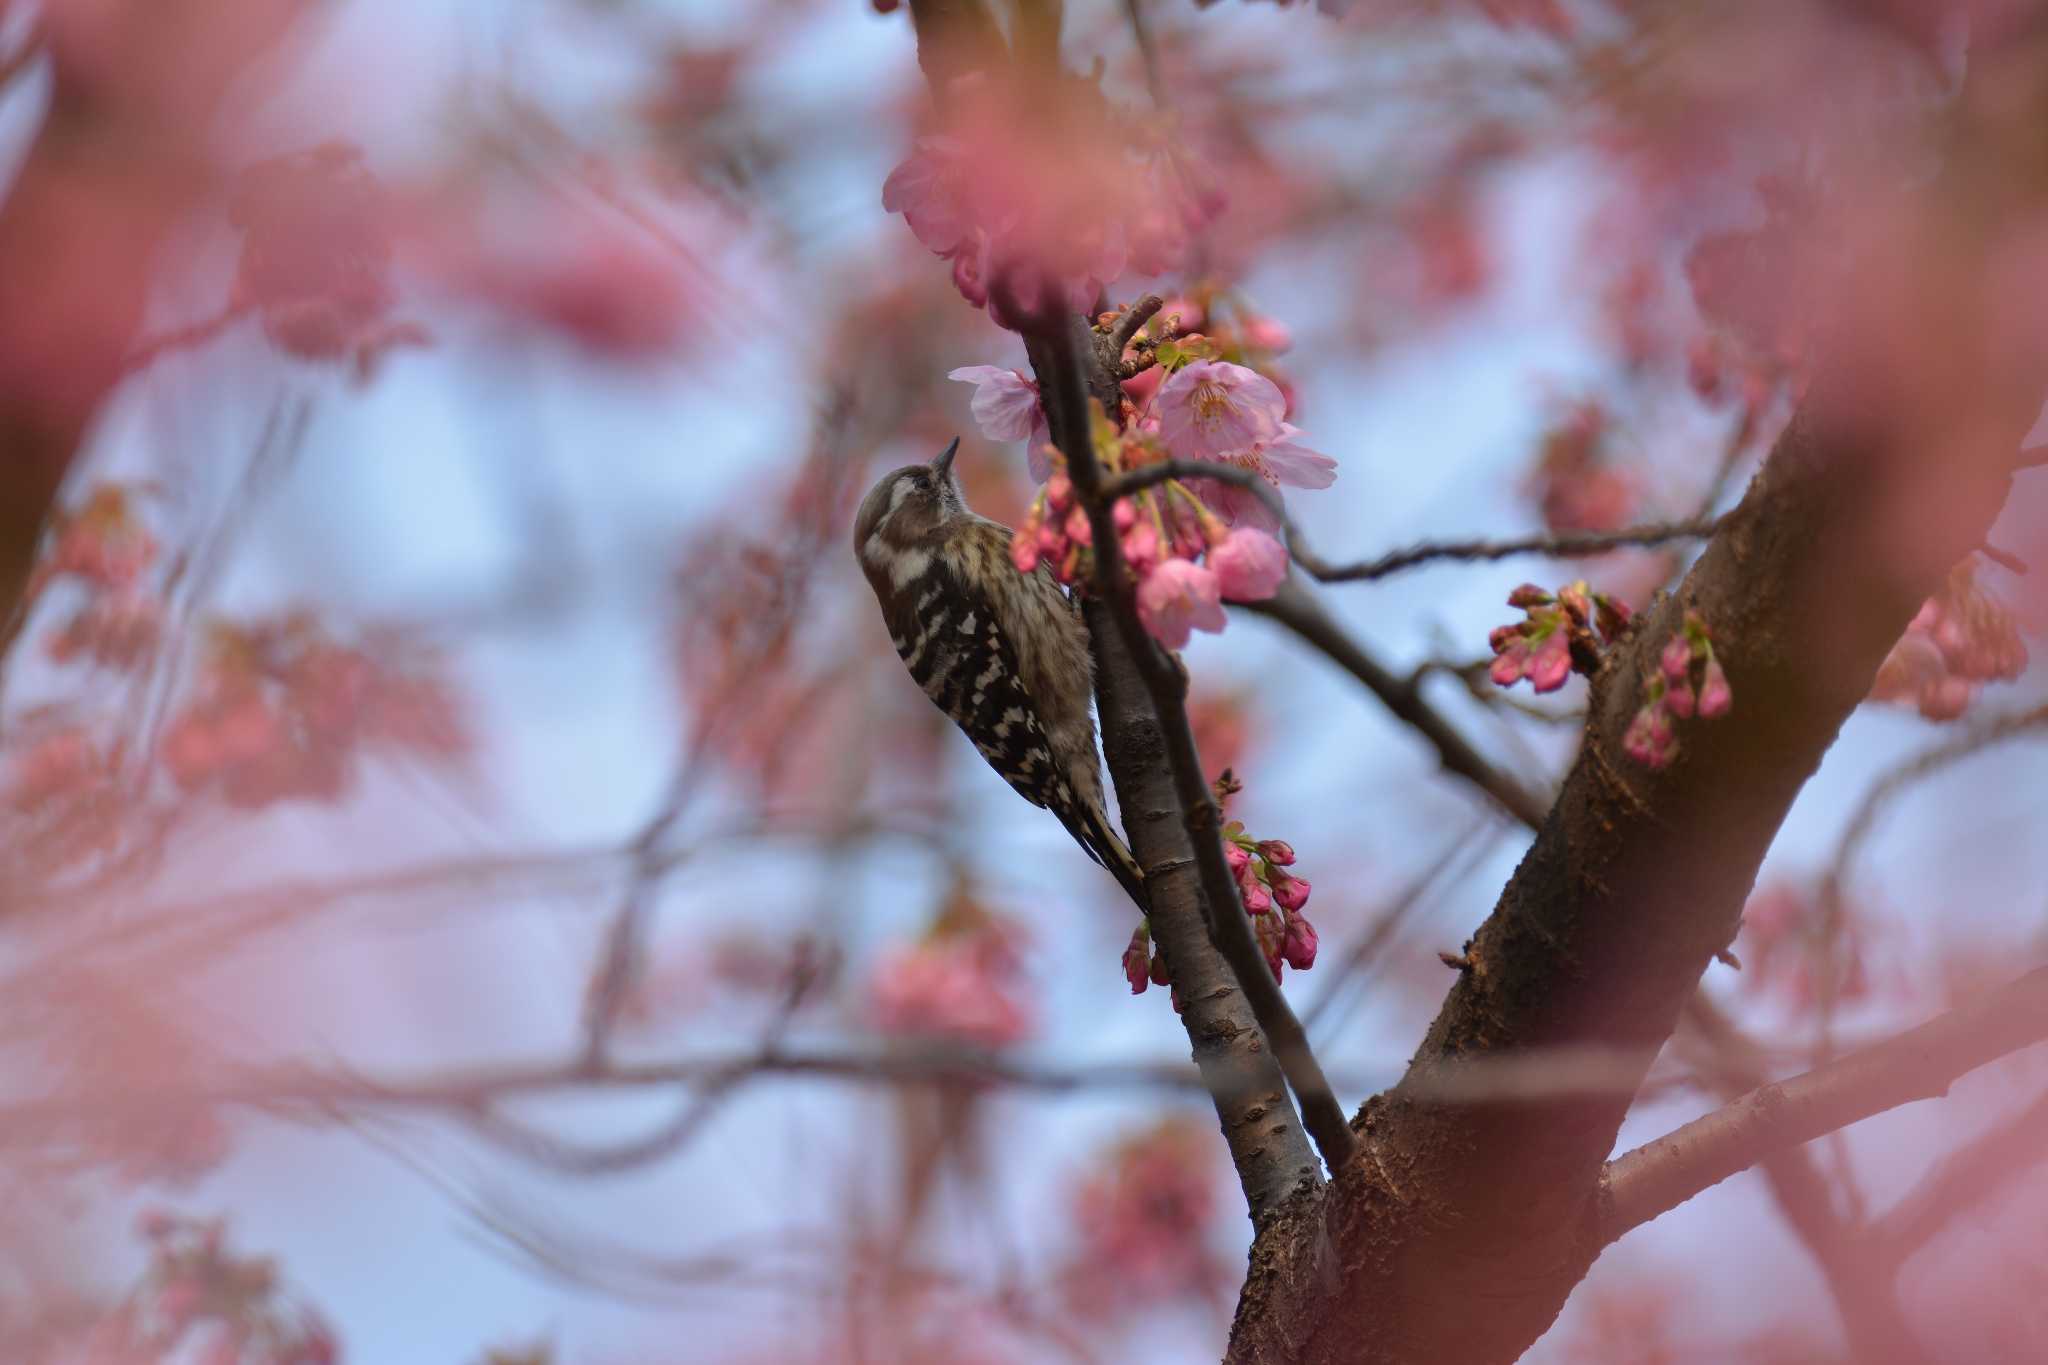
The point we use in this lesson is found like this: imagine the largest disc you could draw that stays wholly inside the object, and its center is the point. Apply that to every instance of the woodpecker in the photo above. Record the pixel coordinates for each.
(1003, 653)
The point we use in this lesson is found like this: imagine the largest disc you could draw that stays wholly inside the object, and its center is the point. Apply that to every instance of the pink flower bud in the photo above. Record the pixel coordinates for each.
(1059, 491)
(1502, 637)
(1715, 694)
(1138, 960)
(1124, 515)
(1290, 892)
(1235, 855)
(1277, 851)
(1141, 548)
(1678, 699)
(1552, 662)
(1642, 741)
(1264, 333)
(1529, 595)
(1078, 528)
(1676, 660)
(1299, 945)
(1257, 899)
(1946, 698)
(1507, 669)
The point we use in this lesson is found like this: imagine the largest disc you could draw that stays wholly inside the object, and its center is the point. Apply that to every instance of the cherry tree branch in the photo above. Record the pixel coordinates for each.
(1558, 546)
(1057, 359)
(1866, 1301)
(1920, 1064)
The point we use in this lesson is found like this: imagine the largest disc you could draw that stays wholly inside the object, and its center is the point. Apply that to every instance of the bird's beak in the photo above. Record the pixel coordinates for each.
(943, 466)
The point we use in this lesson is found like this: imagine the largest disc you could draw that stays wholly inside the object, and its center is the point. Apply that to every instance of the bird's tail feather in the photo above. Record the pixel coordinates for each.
(1105, 846)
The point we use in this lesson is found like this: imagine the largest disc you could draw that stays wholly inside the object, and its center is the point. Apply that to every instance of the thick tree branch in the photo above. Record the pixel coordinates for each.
(1637, 877)
(1919, 1064)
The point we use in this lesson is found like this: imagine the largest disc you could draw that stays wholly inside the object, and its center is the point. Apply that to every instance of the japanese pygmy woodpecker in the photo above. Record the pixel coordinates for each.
(1005, 654)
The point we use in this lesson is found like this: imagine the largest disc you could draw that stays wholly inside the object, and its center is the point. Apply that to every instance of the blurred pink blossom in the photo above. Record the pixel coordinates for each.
(1178, 597)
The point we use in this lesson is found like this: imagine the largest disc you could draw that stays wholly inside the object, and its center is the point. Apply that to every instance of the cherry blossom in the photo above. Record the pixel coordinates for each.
(1212, 410)
(1250, 565)
(1179, 597)
(1006, 408)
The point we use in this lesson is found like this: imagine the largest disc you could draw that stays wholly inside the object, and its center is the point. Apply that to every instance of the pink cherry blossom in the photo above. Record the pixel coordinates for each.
(1290, 892)
(1250, 565)
(1212, 410)
(1177, 597)
(1283, 463)
(1006, 408)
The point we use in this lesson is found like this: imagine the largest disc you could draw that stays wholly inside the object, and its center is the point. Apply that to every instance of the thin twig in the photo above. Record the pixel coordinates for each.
(1567, 546)
(1294, 607)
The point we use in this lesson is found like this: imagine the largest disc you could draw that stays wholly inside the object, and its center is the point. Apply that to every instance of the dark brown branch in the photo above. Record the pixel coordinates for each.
(1127, 324)
(1062, 381)
(1294, 607)
(1919, 1064)
(1567, 546)
(1635, 882)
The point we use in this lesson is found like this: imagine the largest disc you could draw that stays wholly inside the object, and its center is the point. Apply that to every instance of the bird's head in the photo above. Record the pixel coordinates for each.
(908, 506)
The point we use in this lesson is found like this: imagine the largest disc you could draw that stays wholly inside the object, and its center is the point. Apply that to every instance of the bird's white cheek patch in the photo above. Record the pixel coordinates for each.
(907, 566)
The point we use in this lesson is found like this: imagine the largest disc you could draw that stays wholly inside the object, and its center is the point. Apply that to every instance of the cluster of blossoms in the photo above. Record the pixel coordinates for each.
(1672, 694)
(1191, 545)
(1556, 635)
(1030, 209)
(1272, 895)
(198, 1303)
(1962, 637)
(1143, 1216)
(104, 547)
(962, 983)
(284, 710)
